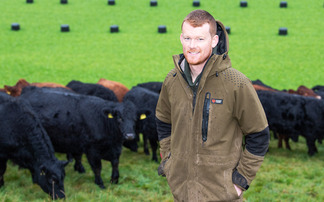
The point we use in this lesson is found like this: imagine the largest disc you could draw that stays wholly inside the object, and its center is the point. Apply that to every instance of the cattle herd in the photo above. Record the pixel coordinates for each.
(98, 119)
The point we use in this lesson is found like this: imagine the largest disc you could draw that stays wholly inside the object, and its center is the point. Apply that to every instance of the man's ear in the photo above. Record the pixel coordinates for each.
(215, 40)
(181, 38)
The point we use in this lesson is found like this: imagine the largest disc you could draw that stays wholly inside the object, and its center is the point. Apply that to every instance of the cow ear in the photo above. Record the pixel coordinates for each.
(110, 113)
(143, 114)
(110, 116)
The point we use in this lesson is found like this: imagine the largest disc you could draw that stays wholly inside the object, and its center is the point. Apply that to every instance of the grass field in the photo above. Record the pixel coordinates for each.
(39, 52)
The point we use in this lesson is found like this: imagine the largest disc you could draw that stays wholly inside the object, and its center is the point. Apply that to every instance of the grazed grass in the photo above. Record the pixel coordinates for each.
(284, 176)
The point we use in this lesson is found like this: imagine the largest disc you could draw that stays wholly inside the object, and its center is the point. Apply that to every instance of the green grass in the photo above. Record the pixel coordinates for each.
(39, 52)
(284, 176)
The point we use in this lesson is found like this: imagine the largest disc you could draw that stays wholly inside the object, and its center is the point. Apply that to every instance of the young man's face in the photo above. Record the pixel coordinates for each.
(197, 43)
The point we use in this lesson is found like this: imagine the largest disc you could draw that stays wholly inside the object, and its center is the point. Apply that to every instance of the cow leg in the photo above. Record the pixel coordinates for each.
(280, 137)
(3, 167)
(286, 139)
(69, 157)
(311, 146)
(95, 164)
(78, 164)
(154, 146)
(115, 171)
(146, 150)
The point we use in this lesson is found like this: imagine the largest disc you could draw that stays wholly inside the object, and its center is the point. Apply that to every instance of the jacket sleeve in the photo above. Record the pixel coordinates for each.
(252, 158)
(164, 135)
(253, 122)
(163, 124)
(163, 117)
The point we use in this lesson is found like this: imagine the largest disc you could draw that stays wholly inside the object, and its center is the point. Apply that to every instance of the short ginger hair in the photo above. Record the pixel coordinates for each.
(198, 17)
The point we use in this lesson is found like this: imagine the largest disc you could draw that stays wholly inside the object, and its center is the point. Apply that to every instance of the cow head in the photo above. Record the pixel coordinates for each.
(16, 89)
(50, 177)
(125, 115)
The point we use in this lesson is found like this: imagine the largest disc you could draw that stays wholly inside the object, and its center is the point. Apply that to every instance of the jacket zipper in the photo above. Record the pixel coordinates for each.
(205, 117)
(194, 101)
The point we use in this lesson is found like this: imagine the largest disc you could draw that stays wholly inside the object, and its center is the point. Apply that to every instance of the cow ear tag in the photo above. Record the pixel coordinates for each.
(110, 116)
(143, 116)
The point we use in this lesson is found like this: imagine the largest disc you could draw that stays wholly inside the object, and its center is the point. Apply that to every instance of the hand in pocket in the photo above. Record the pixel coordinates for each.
(238, 190)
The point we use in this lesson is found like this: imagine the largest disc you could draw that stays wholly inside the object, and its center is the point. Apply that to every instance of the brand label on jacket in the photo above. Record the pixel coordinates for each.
(216, 101)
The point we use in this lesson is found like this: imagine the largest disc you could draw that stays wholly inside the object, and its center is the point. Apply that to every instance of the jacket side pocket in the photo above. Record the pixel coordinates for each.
(161, 168)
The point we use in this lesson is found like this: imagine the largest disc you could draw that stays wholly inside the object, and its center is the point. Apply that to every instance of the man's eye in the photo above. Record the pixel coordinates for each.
(200, 39)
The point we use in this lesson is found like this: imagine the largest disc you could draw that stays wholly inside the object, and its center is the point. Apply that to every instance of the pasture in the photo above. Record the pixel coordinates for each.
(40, 52)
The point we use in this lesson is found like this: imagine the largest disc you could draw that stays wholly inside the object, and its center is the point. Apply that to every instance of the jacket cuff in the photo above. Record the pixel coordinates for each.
(249, 165)
(165, 147)
(239, 180)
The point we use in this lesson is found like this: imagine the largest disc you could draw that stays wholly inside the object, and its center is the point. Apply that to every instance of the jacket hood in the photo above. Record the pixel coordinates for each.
(222, 46)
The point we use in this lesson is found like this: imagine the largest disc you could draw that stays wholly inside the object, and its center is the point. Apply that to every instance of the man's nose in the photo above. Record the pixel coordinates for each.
(192, 43)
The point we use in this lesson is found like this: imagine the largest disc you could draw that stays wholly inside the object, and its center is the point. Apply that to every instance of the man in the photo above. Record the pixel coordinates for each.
(205, 110)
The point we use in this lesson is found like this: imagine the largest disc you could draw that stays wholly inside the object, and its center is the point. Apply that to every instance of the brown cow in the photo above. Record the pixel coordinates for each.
(259, 87)
(118, 88)
(304, 91)
(22, 83)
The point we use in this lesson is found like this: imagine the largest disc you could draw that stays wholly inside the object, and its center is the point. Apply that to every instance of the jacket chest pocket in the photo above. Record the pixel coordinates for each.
(215, 119)
(205, 118)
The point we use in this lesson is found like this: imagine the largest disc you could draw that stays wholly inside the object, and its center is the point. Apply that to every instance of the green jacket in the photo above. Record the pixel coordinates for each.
(201, 135)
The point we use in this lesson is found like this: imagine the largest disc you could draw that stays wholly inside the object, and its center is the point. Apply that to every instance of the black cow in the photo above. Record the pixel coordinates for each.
(80, 124)
(145, 101)
(24, 141)
(318, 89)
(294, 115)
(102, 92)
(153, 86)
(92, 89)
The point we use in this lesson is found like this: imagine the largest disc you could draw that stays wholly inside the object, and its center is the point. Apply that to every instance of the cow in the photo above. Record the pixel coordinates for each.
(294, 115)
(260, 86)
(304, 91)
(92, 89)
(24, 141)
(22, 83)
(319, 90)
(86, 124)
(119, 89)
(154, 86)
(102, 92)
(258, 82)
(145, 101)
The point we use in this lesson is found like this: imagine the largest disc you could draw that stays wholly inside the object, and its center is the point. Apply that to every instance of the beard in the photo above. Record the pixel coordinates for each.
(195, 57)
